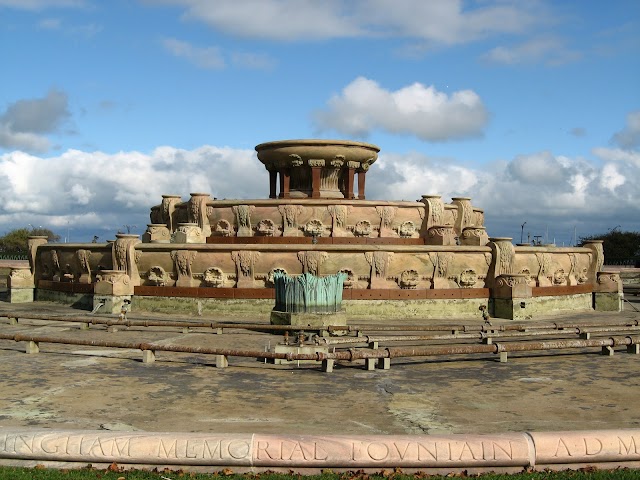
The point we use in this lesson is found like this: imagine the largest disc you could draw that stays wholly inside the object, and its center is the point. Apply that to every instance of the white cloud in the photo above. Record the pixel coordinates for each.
(416, 109)
(440, 21)
(95, 190)
(548, 50)
(209, 58)
(629, 137)
(24, 123)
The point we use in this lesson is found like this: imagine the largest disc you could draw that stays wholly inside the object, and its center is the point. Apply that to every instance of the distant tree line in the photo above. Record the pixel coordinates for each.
(620, 248)
(15, 241)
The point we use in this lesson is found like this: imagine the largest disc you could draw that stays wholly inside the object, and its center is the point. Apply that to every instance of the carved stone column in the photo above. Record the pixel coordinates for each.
(349, 180)
(503, 257)
(198, 212)
(362, 172)
(466, 215)
(168, 207)
(273, 180)
(316, 175)
(123, 252)
(434, 212)
(33, 242)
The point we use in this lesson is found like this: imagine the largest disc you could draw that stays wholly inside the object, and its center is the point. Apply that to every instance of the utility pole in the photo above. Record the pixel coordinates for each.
(522, 232)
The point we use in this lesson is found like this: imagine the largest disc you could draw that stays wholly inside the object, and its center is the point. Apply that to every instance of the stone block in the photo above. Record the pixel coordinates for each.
(21, 295)
(608, 301)
(113, 283)
(512, 286)
(148, 356)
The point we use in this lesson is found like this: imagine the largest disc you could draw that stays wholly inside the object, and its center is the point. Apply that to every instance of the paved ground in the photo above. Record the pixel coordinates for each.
(94, 387)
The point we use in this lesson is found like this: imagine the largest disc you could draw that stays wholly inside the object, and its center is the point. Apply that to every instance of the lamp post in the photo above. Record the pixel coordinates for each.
(522, 231)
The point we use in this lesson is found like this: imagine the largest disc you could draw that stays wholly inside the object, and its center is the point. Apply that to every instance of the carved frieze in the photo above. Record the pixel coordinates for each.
(407, 229)
(441, 235)
(475, 236)
(408, 279)
(505, 255)
(33, 242)
(386, 214)
(123, 253)
(467, 278)
(559, 277)
(245, 267)
(214, 277)
(290, 215)
(156, 233)
(314, 228)
(352, 280)
(266, 228)
(20, 277)
(167, 210)
(113, 282)
(362, 228)
(379, 262)
(243, 220)
(223, 228)
(312, 261)
(83, 266)
(544, 269)
(157, 276)
(339, 215)
(465, 216)
(441, 261)
(183, 259)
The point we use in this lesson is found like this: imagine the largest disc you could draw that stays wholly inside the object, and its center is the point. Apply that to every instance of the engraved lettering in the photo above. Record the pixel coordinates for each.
(595, 449)
(263, 447)
(171, 452)
(207, 452)
(189, 449)
(123, 448)
(354, 451)
(401, 453)
(632, 444)
(297, 449)
(240, 449)
(378, 451)
(433, 454)
(316, 451)
(26, 440)
(465, 447)
(55, 445)
(508, 453)
(561, 442)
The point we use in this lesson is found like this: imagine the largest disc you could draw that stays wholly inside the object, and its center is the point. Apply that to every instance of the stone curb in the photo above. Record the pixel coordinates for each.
(251, 452)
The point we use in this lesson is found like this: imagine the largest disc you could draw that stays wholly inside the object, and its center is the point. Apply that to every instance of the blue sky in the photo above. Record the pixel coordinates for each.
(530, 108)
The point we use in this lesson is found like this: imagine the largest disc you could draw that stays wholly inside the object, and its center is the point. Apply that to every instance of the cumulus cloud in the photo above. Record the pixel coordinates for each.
(417, 110)
(25, 123)
(96, 189)
(440, 21)
(629, 137)
(547, 50)
(209, 58)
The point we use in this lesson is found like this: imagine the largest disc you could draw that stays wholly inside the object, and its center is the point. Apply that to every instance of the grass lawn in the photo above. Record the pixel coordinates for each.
(14, 473)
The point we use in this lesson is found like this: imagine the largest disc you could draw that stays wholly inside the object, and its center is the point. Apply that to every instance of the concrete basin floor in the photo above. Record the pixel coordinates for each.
(78, 387)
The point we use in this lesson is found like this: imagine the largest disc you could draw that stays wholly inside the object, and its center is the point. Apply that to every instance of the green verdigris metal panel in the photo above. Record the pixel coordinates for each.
(307, 293)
